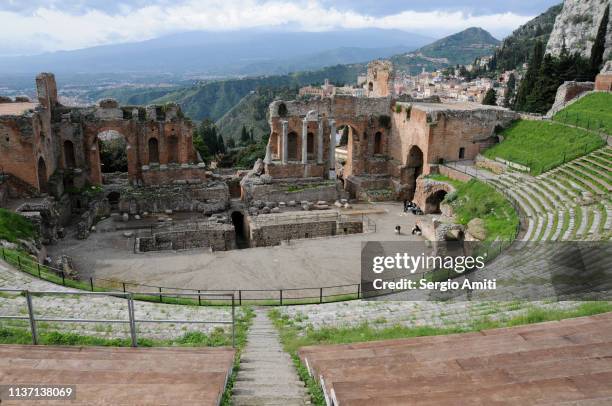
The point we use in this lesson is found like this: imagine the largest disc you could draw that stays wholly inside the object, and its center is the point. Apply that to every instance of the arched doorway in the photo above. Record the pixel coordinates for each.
(172, 145)
(432, 203)
(310, 145)
(153, 150)
(113, 152)
(370, 87)
(113, 200)
(42, 176)
(292, 146)
(69, 158)
(378, 143)
(242, 240)
(413, 169)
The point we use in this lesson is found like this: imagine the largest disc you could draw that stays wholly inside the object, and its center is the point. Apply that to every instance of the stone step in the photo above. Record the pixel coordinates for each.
(570, 229)
(247, 400)
(560, 224)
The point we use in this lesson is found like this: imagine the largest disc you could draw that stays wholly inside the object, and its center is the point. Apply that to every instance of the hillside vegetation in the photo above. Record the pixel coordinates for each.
(14, 227)
(593, 111)
(212, 100)
(517, 47)
(459, 48)
(543, 145)
(252, 113)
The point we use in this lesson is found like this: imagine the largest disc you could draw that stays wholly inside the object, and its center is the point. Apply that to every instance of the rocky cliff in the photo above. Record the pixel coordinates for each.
(577, 25)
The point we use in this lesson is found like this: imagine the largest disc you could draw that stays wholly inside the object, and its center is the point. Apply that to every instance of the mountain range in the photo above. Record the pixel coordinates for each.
(234, 53)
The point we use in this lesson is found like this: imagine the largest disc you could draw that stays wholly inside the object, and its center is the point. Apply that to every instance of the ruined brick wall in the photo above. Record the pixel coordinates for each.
(296, 170)
(174, 173)
(272, 234)
(603, 82)
(379, 79)
(183, 197)
(286, 192)
(57, 137)
(219, 237)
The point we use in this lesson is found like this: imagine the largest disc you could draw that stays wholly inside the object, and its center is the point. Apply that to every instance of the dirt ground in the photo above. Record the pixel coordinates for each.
(303, 263)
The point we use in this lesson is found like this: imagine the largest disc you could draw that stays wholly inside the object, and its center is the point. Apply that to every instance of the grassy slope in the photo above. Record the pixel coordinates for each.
(593, 111)
(542, 145)
(14, 227)
(476, 199)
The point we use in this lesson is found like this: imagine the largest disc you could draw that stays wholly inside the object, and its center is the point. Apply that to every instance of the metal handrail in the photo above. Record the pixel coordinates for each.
(131, 320)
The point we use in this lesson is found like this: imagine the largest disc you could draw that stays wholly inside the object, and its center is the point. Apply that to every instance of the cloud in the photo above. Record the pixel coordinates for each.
(49, 28)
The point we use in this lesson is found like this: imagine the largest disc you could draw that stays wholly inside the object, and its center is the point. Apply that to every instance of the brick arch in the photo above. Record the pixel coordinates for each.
(124, 128)
(430, 193)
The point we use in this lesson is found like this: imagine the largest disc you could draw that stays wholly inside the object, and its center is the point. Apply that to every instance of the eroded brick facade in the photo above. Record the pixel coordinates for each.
(36, 144)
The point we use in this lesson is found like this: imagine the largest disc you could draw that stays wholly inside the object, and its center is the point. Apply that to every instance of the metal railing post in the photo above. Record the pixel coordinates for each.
(281, 296)
(132, 320)
(31, 317)
(199, 298)
(240, 297)
(321, 295)
(233, 323)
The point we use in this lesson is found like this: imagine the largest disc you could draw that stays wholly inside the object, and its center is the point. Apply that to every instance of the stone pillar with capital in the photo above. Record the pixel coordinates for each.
(320, 142)
(304, 141)
(332, 148)
(285, 150)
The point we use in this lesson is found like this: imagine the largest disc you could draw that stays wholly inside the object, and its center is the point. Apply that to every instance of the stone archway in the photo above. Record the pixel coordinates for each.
(69, 156)
(153, 147)
(310, 145)
(412, 170)
(378, 143)
(43, 186)
(432, 202)
(112, 147)
(242, 240)
(292, 146)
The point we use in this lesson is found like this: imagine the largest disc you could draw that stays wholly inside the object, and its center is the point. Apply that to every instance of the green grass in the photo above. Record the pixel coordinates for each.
(14, 227)
(592, 111)
(543, 145)
(475, 199)
(294, 336)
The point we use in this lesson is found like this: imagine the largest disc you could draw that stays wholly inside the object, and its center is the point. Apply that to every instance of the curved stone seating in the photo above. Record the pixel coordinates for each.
(122, 376)
(553, 362)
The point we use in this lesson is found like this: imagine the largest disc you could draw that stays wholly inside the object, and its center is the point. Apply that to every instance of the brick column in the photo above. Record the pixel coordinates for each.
(320, 142)
(332, 149)
(284, 151)
(304, 141)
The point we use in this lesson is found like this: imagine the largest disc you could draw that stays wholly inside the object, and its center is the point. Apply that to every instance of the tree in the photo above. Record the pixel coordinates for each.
(220, 145)
(231, 143)
(530, 79)
(510, 85)
(251, 136)
(490, 98)
(244, 136)
(599, 46)
(206, 140)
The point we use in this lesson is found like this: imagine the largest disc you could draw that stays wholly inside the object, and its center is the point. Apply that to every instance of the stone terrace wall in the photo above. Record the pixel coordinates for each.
(166, 174)
(219, 237)
(204, 198)
(278, 192)
(272, 234)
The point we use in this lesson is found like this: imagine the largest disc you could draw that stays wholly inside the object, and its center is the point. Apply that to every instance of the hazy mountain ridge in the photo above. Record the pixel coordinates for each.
(223, 54)
(460, 48)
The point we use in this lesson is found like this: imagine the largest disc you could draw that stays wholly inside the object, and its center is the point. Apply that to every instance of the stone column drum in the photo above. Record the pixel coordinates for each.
(285, 149)
(304, 141)
(320, 142)
(332, 149)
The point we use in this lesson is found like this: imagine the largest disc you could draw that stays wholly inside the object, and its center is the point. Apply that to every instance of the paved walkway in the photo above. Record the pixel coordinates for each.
(267, 375)
(101, 307)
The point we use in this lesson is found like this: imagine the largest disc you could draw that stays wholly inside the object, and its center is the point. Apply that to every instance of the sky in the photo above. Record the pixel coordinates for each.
(36, 26)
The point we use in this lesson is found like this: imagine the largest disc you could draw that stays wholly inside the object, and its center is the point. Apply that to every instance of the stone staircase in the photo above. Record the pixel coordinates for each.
(267, 375)
(569, 203)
